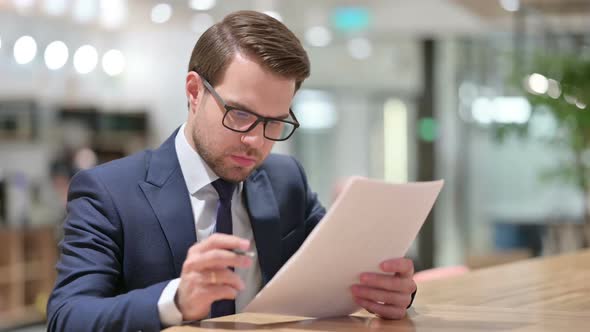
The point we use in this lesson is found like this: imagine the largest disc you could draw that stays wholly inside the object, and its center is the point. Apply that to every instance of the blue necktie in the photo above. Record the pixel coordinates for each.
(224, 225)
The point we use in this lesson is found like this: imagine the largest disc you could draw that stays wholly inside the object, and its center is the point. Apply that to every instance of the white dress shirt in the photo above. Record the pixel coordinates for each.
(203, 197)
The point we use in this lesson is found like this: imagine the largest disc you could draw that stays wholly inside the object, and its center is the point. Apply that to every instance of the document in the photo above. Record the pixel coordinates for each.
(371, 221)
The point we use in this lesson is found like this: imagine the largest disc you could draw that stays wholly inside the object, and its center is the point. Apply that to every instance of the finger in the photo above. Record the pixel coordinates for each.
(198, 282)
(199, 286)
(215, 259)
(223, 241)
(388, 282)
(223, 277)
(378, 295)
(382, 310)
(222, 292)
(402, 266)
(220, 258)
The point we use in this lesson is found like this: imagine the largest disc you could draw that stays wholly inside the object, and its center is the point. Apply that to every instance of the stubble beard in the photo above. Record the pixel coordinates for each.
(218, 164)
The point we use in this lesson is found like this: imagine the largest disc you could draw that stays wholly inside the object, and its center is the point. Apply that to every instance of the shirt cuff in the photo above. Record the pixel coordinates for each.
(169, 313)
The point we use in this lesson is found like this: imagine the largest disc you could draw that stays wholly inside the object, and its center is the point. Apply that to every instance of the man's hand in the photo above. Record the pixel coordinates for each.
(387, 295)
(205, 276)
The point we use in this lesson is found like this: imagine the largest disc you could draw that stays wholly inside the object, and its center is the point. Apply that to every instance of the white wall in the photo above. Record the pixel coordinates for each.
(157, 58)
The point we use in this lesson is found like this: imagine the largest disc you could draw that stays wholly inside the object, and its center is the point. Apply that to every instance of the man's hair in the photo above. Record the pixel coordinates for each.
(257, 36)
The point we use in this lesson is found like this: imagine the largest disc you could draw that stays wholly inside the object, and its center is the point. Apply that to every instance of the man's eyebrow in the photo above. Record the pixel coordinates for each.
(240, 106)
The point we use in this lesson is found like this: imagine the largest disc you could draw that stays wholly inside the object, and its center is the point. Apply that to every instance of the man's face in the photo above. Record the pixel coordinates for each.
(245, 85)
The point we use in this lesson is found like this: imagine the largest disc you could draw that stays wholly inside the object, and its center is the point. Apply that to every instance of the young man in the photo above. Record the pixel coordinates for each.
(150, 239)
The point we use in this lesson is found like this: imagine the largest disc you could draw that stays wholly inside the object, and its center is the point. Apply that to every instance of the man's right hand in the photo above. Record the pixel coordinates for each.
(206, 277)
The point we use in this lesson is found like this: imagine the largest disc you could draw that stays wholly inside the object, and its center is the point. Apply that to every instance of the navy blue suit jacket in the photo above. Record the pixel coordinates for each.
(129, 227)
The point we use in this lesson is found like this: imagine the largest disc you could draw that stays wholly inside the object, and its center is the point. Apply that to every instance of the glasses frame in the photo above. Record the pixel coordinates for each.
(259, 118)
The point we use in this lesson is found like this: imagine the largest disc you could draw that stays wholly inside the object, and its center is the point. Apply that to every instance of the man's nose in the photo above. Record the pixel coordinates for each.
(255, 137)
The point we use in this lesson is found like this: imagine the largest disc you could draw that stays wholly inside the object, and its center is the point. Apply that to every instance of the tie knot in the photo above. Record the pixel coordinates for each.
(224, 189)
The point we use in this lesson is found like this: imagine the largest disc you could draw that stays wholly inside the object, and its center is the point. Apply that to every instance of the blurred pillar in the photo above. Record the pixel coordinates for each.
(425, 148)
(519, 39)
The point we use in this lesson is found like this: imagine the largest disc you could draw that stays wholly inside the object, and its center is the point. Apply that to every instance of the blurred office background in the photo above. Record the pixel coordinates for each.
(489, 95)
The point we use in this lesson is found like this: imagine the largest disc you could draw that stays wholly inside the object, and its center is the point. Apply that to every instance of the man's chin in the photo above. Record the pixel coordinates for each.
(237, 174)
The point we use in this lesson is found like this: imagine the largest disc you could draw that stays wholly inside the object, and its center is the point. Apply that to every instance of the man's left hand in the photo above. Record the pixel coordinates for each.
(387, 294)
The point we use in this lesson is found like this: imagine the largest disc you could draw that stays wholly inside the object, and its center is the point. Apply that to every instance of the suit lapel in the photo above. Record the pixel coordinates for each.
(166, 192)
(264, 216)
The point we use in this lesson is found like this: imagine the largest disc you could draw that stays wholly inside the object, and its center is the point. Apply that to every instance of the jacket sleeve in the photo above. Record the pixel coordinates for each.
(87, 294)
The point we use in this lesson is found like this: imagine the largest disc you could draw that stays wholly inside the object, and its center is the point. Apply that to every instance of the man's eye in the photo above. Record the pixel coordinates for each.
(274, 124)
(242, 114)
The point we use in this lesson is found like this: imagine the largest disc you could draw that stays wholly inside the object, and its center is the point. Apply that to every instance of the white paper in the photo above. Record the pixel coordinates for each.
(371, 221)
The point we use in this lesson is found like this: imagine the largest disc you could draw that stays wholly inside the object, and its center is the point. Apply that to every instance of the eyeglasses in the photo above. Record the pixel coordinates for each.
(242, 121)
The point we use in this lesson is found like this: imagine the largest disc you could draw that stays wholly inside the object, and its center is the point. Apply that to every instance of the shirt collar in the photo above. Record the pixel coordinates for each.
(197, 174)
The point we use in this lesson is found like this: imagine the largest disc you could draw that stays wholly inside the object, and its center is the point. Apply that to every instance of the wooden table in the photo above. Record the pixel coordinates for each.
(543, 294)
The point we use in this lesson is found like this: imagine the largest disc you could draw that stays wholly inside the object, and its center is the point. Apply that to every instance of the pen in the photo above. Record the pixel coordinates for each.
(244, 253)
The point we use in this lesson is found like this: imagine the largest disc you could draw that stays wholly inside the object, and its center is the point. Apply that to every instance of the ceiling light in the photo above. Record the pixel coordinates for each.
(54, 7)
(161, 13)
(510, 5)
(553, 89)
(85, 11)
(56, 55)
(202, 4)
(25, 50)
(85, 59)
(318, 36)
(538, 84)
(113, 62)
(360, 48)
(113, 13)
(23, 6)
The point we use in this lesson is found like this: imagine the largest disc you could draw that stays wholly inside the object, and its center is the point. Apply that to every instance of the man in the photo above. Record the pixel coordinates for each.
(139, 251)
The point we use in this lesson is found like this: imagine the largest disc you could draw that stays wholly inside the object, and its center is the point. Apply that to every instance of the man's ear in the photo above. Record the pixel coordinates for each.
(194, 89)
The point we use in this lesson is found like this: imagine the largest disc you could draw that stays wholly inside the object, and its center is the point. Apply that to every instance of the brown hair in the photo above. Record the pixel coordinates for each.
(256, 35)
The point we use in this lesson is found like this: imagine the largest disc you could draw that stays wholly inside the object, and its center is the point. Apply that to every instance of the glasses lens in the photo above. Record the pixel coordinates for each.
(278, 130)
(238, 120)
(242, 121)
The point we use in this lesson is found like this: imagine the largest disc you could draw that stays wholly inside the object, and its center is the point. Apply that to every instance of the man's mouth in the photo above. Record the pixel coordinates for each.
(242, 160)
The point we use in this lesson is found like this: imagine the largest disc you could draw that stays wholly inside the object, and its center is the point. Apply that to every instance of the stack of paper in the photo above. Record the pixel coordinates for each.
(371, 221)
